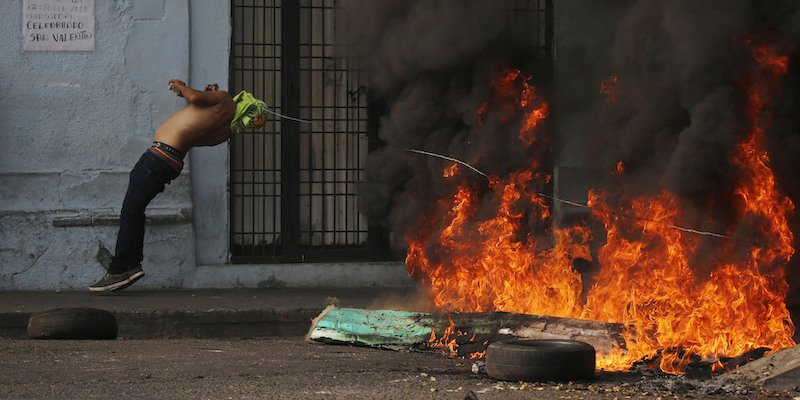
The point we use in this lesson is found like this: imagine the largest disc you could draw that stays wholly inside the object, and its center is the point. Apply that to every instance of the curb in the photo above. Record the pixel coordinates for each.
(217, 324)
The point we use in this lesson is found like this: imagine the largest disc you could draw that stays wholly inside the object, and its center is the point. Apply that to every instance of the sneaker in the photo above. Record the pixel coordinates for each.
(120, 281)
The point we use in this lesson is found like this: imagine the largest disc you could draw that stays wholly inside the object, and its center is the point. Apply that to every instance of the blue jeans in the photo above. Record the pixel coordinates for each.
(147, 179)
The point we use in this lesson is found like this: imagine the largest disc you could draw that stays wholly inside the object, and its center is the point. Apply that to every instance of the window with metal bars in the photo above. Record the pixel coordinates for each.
(294, 181)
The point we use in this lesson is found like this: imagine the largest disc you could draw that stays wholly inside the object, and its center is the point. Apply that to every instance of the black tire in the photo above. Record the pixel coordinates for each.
(540, 360)
(73, 323)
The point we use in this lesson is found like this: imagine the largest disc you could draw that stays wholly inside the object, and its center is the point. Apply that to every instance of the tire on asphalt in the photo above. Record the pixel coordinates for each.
(73, 323)
(540, 360)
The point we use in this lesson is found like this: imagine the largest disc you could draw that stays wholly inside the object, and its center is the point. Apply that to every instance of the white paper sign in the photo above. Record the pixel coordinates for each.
(58, 25)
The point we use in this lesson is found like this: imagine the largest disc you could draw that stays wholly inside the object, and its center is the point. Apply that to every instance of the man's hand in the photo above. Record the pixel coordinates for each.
(175, 85)
(209, 97)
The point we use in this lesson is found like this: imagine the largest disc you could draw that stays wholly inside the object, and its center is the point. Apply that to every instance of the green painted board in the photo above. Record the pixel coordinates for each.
(372, 327)
(405, 329)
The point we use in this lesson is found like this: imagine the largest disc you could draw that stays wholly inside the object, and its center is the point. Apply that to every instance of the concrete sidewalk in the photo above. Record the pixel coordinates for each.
(206, 313)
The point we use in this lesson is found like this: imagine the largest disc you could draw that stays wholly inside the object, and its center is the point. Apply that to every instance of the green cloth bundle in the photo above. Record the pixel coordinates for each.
(250, 112)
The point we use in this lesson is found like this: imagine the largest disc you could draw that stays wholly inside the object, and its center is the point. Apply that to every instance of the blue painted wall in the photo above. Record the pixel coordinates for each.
(74, 123)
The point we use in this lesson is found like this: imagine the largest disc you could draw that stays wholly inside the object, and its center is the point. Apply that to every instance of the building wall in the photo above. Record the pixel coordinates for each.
(210, 31)
(73, 124)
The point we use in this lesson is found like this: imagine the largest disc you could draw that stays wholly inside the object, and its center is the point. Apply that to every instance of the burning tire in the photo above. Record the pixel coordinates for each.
(540, 360)
(73, 323)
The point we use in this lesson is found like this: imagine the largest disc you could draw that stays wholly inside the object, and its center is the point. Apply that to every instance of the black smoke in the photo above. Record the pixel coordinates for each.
(683, 68)
(680, 67)
(430, 63)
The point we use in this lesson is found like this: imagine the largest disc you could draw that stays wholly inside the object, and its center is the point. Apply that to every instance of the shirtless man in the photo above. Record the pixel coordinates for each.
(209, 119)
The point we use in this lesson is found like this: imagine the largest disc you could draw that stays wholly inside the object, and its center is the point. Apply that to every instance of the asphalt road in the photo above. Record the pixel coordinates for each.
(294, 369)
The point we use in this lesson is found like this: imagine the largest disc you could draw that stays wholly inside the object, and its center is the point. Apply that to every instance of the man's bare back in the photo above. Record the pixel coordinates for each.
(211, 118)
(205, 122)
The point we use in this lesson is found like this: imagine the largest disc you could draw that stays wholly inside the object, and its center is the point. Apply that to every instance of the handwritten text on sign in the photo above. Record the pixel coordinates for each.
(60, 25)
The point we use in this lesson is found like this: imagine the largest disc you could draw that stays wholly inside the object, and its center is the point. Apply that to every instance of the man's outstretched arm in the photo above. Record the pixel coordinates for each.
(196, 97)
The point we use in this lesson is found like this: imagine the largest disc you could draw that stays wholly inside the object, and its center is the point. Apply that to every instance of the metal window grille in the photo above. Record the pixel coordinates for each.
(532, 20)
(294, 184)
(333, 149)
(256, 175)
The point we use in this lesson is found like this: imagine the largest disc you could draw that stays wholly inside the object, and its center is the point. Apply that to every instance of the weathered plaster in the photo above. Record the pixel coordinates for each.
(74, 123)
(210, 49)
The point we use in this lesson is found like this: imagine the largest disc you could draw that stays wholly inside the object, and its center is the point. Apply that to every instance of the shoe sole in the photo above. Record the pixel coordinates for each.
(135, 277)
(119, 285)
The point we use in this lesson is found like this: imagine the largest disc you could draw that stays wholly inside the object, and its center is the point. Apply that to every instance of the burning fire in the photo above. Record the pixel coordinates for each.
(609, 88)
(646, 278)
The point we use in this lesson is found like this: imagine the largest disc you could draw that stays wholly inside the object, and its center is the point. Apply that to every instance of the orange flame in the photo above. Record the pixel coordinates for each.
(648, 278)
(509, 102)
(609, 88)
(450, 171)
(620, 169)
(447, 343)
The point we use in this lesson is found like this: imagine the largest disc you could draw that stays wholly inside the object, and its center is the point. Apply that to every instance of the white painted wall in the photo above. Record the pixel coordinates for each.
(210, 53)
(73, 124)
